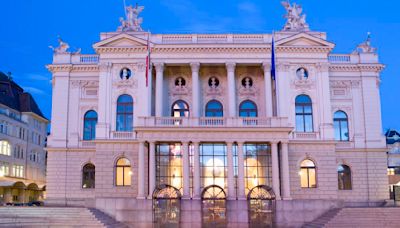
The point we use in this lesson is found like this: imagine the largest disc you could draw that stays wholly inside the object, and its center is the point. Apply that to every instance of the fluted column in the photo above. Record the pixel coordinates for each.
(268, 89)
(230, 68)
(152, 169)
(186, 170)
(141, 171)
(241, 183)
(275, 170)
(195, 89)
(285, 171)
(231, 173)
(196, 171)
(159, 88)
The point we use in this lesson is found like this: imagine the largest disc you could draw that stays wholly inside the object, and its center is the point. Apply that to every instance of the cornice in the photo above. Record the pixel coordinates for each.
(303, 49)
(59, 68)
(86, 68)
(356, 67)
(121, 50)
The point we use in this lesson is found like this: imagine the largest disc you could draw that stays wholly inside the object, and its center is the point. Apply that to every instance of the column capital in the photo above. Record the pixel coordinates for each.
(105, 66)
(266, 66)
(195, 66)
(229, 142)
(274, 141)
(185, 142)
(240, 143)
(159, 67)
(195, 143)
(230, 66)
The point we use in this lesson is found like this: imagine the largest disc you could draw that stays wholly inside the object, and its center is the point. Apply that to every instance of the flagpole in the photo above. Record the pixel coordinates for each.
(126, 16)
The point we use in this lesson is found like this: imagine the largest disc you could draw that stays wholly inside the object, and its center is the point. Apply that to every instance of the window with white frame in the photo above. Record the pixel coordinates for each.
(18, 170)
(5, 148)
(4, 169)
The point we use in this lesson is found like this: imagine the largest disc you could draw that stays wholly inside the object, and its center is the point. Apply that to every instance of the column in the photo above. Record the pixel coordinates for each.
(285, 171)
(230, 68)
(268, 89)
(196, 171)
(241, 192)
(186, 170)
(159, 88)
(275, 170)
(195, 89)
(141, 171)
(103, 125)
(231, 174)
(152, 169)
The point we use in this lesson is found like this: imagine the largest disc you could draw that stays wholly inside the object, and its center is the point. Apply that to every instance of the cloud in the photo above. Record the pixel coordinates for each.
(33, 90)
(37, 77)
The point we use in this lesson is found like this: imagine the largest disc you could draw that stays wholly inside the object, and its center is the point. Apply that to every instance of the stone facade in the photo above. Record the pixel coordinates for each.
(334, 82)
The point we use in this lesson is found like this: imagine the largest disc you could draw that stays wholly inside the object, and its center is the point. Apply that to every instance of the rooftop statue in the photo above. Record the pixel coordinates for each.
(132, 22)
(365, 47)
(62, 47)
(296, 21)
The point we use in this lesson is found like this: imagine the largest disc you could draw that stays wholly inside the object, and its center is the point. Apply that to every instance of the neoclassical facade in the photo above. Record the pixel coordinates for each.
(214, 132)
(23, 132)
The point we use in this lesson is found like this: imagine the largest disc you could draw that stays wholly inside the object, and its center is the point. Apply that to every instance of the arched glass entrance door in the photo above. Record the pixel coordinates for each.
(261, 201)
(166, 206)
(213, 207)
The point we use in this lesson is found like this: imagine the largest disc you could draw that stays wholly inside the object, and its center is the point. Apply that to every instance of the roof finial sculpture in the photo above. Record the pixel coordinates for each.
(296, 21)
(365, 47)
(132, 22)
(62, 47)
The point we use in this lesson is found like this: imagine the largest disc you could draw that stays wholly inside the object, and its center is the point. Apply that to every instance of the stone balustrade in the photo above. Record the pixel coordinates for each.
(339, 58)
(202, 122)
(123, 135)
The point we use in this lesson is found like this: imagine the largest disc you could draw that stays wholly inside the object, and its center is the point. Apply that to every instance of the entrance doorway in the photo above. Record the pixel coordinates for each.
(261, 200)
(166, 206)
(213, 207)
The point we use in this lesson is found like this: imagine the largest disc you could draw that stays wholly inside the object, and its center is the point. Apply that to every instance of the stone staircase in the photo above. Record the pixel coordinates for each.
(55, 217)
(382, 217)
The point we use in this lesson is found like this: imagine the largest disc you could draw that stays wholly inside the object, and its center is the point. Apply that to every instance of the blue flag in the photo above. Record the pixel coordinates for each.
(273, 71)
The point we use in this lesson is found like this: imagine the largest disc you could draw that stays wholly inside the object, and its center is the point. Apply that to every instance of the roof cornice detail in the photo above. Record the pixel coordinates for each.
(357, 67)
(59, 68)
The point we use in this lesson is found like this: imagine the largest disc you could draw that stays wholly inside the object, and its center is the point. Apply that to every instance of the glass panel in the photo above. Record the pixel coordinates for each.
(312, 178)
(307, 163)
(345, 131)
(303, 177)
(336, 125)
(119, 176)
(308, 123)
(127, 176)
(123, 162)
(300, 123)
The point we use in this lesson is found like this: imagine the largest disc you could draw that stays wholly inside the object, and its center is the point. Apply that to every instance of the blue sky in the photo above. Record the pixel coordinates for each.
(28, 27)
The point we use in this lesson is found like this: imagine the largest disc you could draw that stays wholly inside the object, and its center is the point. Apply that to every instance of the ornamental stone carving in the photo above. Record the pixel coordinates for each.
(365, 47)
(130, 83)
(62, 47)
(132, 23)
(296, 20)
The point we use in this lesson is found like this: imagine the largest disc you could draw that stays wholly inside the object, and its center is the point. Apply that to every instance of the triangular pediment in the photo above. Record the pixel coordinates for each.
(304, 40)
(121, 40)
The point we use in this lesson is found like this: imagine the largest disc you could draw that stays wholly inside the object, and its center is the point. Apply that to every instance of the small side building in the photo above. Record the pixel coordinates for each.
(23, 132)
(393, 143)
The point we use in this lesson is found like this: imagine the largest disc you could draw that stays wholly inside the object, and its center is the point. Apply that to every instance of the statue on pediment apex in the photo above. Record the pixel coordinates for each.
(296, 21)
(365, 47)
(132, 22)
(62, 47)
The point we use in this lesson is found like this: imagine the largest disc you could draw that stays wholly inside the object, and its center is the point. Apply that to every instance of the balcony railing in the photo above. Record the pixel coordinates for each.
(339, 58)
(212, 122)
(123, 135)
(87, 144)
(305, 135)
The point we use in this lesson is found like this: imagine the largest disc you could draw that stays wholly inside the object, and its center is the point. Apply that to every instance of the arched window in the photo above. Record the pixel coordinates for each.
(341, 125)
(304, 115)
(88, 176)
(308, 174)
(89, 125)
(180, 109)
(5, 148)
(214, 207)
(344, 177)
(214, 109)
(123, 172)
(248, 109)
(124, 113)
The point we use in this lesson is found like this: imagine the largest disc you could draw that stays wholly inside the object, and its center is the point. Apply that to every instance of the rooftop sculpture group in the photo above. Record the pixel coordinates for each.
(296, 21)
(133, 22)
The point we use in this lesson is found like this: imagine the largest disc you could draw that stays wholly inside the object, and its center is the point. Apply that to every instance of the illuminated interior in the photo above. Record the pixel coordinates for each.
(213, 163)
(169, 165)
(258, 170)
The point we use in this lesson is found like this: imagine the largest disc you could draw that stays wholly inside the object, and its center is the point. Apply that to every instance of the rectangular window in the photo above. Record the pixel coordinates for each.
(18, 171)
(4, 169)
